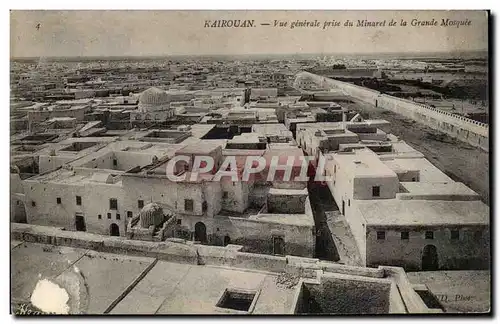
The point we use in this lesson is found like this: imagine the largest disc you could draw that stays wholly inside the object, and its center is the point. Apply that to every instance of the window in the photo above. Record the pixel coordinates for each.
(455, 234)
(429, 235)
(349, 202)
(224, 195)
(99, 216)
(33, 203)
(188, 204)
(109, 215)
(118, 216)
(405, 235)
(113, 204)
(115, 162)
(380, 235)
(204, 206)
(78, 200)
(335, 168)
(58, 200)
(129, 214)
(376, 191)
(179, 222)
(140, 204)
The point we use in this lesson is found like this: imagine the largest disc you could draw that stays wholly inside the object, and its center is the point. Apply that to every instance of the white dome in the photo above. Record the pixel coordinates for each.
(153, 99)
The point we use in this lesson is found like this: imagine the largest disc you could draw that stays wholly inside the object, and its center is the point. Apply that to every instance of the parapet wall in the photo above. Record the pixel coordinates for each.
(402, 300)
(465, 129)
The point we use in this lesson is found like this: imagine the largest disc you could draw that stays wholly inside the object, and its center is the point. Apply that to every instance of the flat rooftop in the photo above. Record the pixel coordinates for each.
(428, 172)
(285, 219)
(106, 275)
(201, 146)
(396, 212)
(457, 291)
(167, 288)
(439, 189)
(361, 163)
(246, 138)
(200, 130)
(172, 288)
(79, 177)
(277, 129)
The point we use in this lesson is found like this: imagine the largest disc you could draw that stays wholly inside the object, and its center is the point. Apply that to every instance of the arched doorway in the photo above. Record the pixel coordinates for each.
(200, 232)
(227, 240)
(430, 258)
(114, 230)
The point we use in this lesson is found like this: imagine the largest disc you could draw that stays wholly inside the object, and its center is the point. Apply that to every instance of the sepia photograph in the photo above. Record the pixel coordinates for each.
(250, 162)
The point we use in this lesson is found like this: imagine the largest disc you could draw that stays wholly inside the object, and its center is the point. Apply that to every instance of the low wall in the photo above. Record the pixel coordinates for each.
(370, 290)
(179, 251)
(345, 294)
(412, 301)
(467, 130)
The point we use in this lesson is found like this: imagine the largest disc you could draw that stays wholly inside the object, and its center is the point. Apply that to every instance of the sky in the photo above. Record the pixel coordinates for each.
(156, 33)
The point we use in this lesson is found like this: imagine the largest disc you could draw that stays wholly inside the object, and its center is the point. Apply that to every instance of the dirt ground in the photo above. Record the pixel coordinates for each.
(460, 161)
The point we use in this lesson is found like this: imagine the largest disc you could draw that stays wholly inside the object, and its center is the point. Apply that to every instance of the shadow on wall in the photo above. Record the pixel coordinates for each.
(341, 295)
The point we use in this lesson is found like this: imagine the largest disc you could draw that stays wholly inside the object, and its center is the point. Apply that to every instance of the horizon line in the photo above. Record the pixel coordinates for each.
(252, 54)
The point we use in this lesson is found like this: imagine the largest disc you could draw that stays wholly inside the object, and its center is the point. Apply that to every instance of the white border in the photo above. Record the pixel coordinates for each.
(186, 4)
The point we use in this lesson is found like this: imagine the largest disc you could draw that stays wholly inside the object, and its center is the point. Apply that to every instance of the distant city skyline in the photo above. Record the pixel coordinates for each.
(171, 33)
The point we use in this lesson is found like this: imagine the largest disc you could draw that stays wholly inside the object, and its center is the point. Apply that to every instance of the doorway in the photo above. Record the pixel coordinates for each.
(430, 258)
(200, 232)
(114, 230)
(278, 245)
(80, 223)
(19, 212)
(227, 240)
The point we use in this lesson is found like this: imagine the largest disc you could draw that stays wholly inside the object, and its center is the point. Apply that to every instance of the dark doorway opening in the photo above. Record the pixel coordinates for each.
(430, 258)
(227, 240)
(19, 211)
(278, 245)
(80, 223)
(200, 232)
(114, 230)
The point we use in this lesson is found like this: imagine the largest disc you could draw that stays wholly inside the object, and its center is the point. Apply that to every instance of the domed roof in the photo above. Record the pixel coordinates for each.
(153, 96)
(151, 214)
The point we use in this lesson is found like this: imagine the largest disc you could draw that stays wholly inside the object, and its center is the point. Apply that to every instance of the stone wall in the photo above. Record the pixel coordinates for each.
(257, 236)
(284, 202)
(42, 207)
(468, 252)
(346, 294)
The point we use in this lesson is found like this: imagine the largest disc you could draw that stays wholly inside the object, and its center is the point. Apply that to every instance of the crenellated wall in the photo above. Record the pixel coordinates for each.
(467, 130)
